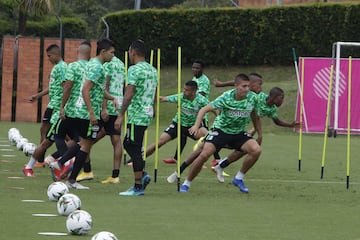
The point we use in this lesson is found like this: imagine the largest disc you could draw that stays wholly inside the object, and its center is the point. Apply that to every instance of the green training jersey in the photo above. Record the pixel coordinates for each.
(75, 73)
(115, 69)
(235, 115)
(57, 76)
(94, 72)
(189, 109)
(145, 79)
(264, 110)
(203, 83)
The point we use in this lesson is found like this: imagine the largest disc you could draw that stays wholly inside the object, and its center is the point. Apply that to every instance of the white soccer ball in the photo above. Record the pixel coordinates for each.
(13, 131)
(15, 137)
(104, 235)
(21, 142)
(56, 190)
(68, 203)
(29, 148)
(79, 222)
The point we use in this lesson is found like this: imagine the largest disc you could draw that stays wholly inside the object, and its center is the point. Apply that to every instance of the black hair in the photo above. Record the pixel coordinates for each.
(103, 44)
(276, 91)
(86, 42)
(198, 61)
(192, 84)
(256, 75)
(139, 47)
(241, 76)
(53, 47)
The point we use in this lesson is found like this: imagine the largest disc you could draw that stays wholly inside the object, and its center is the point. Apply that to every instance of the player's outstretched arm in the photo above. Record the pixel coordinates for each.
(281, 123)
(218, 83)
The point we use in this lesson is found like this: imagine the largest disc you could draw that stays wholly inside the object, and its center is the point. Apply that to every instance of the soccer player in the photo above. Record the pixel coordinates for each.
(191, 102)
(267, 107)
(229, 128)
(139, 101)
(115, 77)
(51, 114)
(203, 84)
(88, 107)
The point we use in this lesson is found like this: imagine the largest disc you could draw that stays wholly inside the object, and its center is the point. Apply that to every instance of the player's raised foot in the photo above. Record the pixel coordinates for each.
(172, 178)
(170, 161)
(184, 188)
(75, 185)
(219, 173)
(49, 159)
(55, 174)
(39, 164)
(55, 165)
(66, 169)
(85, 176)
(145, 180)
(240, 184)
(28, 172)
(214, 162)
(111, 180)
(132, 192)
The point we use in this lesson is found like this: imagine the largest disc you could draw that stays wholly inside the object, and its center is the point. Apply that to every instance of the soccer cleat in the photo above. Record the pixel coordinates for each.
(184, 188)
(85, 176)
(66, 169)
(39, 164)
(170, 161)
(145, 180)
(214, 162)
(55, 165)
(55, 173)
(111, 180)
(240, 184)
(172, 178)
(219, 173)
(132, 192)
(28, 172)
(75, 185)
(49, 159)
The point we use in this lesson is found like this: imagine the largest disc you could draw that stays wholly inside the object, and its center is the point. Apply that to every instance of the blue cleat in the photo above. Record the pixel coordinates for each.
(145, 180)
(240, 184)
(184, 188)
(132, 192)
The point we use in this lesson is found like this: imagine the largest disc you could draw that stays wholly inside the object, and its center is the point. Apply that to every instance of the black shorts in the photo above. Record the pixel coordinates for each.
(47, 115)
(134, 135)
(87, 130)
(172, 131)
(51, 132)
(109, 126)
(69, 127)
(224, 140)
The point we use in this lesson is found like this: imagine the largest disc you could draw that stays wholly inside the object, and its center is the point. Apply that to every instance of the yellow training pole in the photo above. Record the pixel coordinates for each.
(327, 120)
(179, 120)
(157, 117)
(301, 112)
(125, 83)
(146, 131)
(348, 126)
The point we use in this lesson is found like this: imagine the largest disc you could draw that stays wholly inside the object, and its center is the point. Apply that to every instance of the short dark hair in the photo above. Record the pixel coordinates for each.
(53, 47)
(192, 84)
(241, 76)
(139, 47)
(103, 43)
(86, 42)
(198, 61)
(256, 75)
(276, 91)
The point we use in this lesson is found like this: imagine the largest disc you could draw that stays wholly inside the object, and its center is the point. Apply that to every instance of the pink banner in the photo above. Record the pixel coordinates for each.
(315, 95)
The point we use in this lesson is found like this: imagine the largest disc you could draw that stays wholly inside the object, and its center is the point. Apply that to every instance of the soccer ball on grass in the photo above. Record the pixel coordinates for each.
(104, 235)
(68, 203)
(56, 190)
(79, 222)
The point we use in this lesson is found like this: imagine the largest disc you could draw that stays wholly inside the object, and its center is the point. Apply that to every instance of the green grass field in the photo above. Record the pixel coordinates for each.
(283, 203)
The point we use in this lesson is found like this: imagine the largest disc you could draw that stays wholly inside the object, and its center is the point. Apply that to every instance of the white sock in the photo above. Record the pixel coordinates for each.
(240, 175)
(31, 163)
(187, 183)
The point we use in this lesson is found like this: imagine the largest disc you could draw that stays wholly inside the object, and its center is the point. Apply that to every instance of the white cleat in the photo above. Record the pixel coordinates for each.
(172, 178)
(219, 173)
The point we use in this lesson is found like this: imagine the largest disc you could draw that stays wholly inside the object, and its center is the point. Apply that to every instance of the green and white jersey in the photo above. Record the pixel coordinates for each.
(203, 83)
(189, 109)
(75, 73)
(145, 79)
(264, 110)
(115, 69)
(94, 72)
(57, 76)
(235, 115)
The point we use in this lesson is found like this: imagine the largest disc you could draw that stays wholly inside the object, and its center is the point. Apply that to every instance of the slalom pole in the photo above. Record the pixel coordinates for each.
(299, 87)
(348, 126)
(301, 113)
(126, 59)
(157, 117)
(179, 120)
(327, 119)
(147, 131)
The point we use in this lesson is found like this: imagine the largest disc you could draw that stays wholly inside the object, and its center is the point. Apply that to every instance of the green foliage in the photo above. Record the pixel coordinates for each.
(227, 36)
